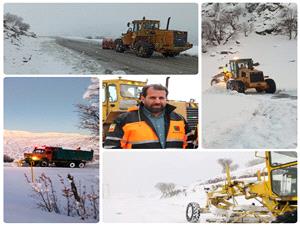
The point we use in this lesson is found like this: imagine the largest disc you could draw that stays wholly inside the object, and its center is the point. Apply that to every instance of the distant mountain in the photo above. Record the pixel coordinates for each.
(17, 142)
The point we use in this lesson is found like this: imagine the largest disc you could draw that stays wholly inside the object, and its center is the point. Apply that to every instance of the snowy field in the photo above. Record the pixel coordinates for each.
(21, 207)
(129, 193)
(252, 120)
(42, 55)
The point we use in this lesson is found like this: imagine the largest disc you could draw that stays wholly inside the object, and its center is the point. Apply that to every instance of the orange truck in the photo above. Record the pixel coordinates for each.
(46, 155)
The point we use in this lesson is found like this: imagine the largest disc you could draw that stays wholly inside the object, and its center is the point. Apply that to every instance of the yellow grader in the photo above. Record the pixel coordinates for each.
(145, 37)
(120, 95)
(275, 190)
(242, 75)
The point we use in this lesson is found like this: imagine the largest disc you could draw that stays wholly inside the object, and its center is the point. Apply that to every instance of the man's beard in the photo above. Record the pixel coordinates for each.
(155, 110)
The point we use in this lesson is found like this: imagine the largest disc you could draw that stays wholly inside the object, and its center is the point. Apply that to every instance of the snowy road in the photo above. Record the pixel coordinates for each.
(132, 64)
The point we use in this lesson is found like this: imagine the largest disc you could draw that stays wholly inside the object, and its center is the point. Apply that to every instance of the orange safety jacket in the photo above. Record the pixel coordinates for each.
(134, 130)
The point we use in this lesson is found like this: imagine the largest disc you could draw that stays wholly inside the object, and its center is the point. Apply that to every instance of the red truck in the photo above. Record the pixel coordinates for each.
(46, 155)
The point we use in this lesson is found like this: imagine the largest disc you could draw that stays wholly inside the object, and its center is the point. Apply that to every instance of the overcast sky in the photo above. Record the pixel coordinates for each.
(181, 87)
(138, 172)
(103, 19)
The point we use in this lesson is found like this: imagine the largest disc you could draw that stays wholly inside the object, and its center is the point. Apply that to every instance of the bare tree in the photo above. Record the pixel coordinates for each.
(227, 162)
(89, 113)
(15, 20)
(289, 22)
(247, 28)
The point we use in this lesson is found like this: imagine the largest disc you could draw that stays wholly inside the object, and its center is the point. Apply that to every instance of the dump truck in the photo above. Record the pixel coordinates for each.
(275, 191)
(47, 156)
(120, 95)
(145, 37)
(243, 75)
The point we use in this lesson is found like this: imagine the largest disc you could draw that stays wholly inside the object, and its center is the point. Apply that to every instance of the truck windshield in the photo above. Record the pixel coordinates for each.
(278, 158)
(39, 151)
(130, 91)
(151, 25)
(284, 181)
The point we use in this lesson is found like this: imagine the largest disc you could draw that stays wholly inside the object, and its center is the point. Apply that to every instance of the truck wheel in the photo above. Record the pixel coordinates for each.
(81, 165)
(271, 86)
(192, 212)
(230, 85)
(143, 49)
(119, 45)
(72, 165)
(239, 86)
(44, 163)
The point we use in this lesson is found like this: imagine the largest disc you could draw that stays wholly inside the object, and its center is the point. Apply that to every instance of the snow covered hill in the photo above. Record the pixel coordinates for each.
(251, 120)
(148, 206)
(17, 142)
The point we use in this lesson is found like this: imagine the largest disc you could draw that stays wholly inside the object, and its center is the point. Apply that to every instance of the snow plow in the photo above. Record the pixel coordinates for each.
(275, 190)
(108, 43)
(242, 75)
(47, 156)
(146, 37)
(121, 95)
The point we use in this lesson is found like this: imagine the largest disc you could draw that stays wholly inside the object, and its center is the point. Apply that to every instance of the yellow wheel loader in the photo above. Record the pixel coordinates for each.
(243, 75)
(145, 37)
(275, 190)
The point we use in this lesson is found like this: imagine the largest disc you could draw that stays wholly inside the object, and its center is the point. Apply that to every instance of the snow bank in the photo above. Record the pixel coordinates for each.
(252, 120)
(43, 56)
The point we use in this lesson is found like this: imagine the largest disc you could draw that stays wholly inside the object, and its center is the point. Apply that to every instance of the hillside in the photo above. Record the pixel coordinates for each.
(18, 142)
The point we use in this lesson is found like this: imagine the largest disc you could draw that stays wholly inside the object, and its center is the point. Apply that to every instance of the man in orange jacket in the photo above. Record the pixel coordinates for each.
(153, 124)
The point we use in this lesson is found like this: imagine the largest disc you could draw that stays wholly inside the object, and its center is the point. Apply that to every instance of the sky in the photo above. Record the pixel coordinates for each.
(105, 19)
(181, 87)
(43, 104)
(140, 171)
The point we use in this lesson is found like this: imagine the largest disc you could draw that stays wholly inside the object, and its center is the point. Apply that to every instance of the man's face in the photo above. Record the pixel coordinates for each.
(155, 101)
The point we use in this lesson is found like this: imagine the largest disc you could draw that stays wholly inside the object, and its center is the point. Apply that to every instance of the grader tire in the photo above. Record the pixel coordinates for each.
(287, 217)
(193, 212)
(271, 86)
(143, 49)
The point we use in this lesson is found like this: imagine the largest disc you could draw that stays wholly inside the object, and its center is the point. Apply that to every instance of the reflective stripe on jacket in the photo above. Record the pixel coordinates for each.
(134, 130)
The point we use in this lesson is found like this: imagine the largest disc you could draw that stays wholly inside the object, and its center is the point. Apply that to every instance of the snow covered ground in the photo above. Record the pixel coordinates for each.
(252, 120)
(129, 193)
(43, 56)
(21, 207)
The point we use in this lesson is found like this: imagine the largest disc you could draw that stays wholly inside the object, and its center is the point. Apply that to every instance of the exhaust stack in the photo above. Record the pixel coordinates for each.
(167, 82)
(167, 28)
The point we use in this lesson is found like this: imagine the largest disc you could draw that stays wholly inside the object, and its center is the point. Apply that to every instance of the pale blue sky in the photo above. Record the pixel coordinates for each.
(43, 104)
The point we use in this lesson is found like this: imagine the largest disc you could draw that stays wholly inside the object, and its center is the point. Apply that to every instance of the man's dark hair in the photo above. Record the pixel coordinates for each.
(157, 87)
